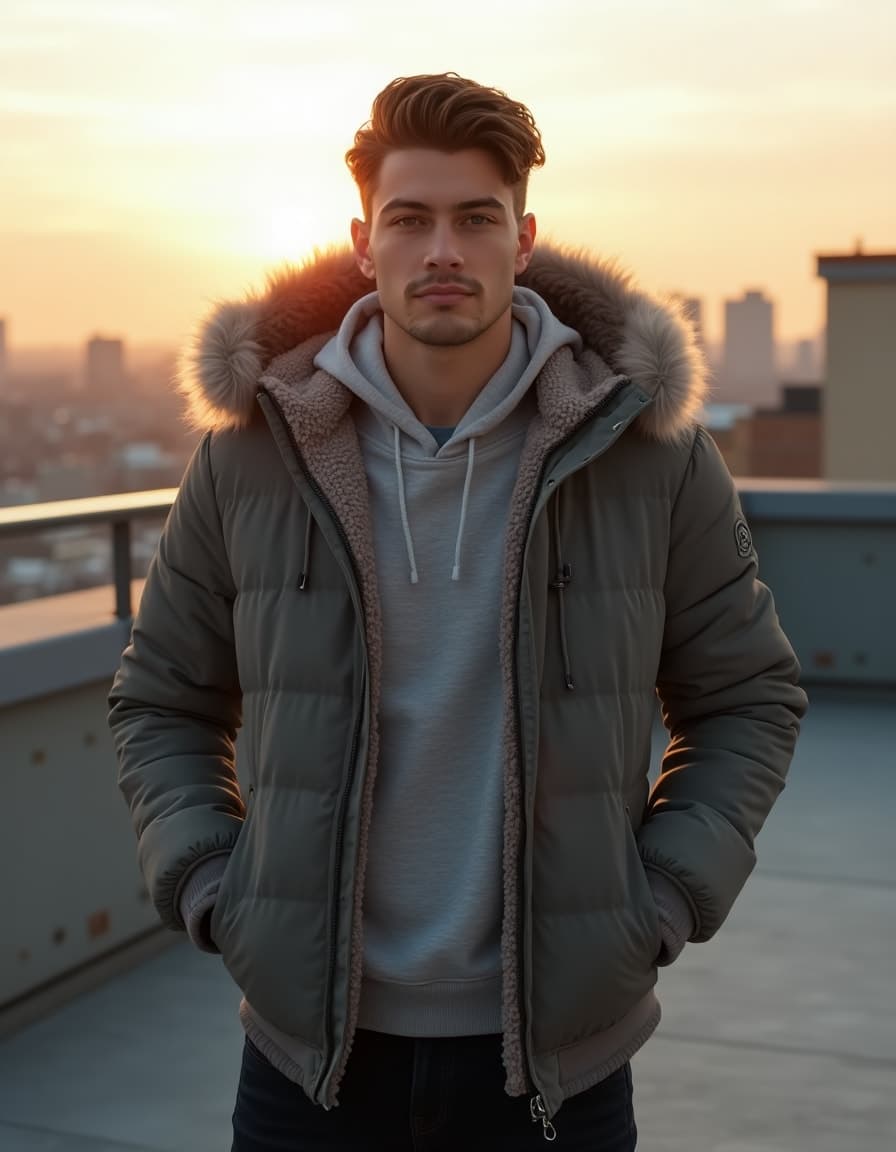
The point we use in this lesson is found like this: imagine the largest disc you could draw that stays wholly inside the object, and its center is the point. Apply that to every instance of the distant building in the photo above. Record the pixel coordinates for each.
(139, 466)
(804, 361)
(2, 355)
(748, 374)
(68, 478)
(37, 387)
(786, 441)
(14, 491)
(860, 384)
(28, 577)
(105, 370)
(782, 442)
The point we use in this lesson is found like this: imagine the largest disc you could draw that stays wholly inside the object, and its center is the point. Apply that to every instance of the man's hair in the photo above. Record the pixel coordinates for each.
(447, 113)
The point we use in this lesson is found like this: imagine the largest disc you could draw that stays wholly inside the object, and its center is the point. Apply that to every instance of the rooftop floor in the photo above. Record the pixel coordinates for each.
(777, 1036)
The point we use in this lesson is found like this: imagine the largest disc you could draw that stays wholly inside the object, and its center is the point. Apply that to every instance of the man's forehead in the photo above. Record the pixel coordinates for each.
(441, 180)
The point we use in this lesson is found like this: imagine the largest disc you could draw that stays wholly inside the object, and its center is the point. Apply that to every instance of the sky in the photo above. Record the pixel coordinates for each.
(158, 156)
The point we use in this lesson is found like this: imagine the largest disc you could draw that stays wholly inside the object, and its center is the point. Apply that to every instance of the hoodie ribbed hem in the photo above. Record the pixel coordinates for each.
(443, 1008)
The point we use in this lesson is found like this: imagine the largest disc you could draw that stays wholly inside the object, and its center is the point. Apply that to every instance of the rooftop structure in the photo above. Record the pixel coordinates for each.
(860, 385)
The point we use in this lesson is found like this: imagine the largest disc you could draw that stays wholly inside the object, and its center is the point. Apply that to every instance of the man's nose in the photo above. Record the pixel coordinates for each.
(443, 251)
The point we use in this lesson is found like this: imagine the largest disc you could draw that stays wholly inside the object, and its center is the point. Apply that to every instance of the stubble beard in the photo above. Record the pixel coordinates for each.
(444, 332)
(450, 331)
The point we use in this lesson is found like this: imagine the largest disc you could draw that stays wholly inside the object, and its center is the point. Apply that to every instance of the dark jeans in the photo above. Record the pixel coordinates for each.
(408, 1095)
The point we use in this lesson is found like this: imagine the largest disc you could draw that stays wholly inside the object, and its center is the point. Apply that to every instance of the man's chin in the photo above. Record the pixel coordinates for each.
(443, 333)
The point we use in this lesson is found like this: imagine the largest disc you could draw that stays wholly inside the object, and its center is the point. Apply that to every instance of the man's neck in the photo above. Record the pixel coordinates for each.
(438, 382)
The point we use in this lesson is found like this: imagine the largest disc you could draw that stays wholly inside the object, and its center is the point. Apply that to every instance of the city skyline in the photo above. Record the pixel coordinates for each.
(160, 154)
(24, 359)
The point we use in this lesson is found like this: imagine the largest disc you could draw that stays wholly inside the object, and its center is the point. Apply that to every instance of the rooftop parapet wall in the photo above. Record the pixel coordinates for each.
(828, 552)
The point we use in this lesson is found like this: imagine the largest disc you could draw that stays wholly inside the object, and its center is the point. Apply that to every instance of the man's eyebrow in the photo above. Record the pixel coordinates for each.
(463, 206)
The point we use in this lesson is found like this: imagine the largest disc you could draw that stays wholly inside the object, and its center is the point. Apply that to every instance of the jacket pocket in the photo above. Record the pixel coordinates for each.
(646, 917)
(232, 884)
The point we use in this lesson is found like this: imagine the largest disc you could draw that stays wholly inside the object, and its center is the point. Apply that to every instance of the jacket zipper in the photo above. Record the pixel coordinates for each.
(327, 1060)
(539, 1112)
(537, 1106)
(327, 1064)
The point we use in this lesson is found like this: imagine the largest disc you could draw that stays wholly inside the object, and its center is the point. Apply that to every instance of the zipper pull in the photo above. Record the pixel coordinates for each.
(539, 1112)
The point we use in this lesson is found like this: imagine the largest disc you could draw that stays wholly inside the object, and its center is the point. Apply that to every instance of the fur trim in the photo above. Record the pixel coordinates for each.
(661, 355)
(647, 339)
(219, 374)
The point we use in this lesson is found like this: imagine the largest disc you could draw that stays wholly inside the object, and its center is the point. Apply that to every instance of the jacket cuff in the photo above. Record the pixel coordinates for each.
(676, 919)
(197, 899)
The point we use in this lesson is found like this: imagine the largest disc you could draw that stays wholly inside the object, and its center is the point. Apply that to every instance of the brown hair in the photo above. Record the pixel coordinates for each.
(448, 113)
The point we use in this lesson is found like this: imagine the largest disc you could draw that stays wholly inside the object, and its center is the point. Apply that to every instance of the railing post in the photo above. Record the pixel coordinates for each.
(121, 559)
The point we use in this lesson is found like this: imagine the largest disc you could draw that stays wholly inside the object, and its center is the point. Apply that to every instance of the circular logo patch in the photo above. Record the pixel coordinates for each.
(743, 539)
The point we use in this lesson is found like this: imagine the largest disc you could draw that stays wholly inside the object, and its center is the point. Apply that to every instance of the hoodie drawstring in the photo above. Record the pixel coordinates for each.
(561, 582)
(402, 502)
(306, 554)
(409, 543)
(468, 479)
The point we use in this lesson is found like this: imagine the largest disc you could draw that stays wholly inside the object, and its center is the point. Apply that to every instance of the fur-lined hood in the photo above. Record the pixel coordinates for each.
(646, 339)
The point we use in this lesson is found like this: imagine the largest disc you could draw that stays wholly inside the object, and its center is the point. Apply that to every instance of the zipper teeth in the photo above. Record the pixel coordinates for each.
(337, 879)
(521, 863)
(346, 789)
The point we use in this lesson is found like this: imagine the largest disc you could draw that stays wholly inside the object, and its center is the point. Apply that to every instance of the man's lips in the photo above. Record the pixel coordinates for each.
(451, 286)
(443, 292)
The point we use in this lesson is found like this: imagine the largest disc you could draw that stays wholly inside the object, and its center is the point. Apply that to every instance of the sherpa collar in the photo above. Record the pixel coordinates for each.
(644, 338)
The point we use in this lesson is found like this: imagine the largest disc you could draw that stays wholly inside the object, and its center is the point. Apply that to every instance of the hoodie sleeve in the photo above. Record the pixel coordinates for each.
(175, 704)
(727, 683)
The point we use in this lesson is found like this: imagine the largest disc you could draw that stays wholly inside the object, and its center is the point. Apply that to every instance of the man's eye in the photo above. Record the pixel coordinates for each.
(477, 218)
(406, 221)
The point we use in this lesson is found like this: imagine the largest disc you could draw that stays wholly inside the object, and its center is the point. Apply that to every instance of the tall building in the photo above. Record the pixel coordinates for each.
(804, 367)
(105, 372)
(748, 374)
(860, 379)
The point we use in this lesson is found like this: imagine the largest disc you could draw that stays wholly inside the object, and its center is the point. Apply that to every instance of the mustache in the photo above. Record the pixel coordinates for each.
(417, 287)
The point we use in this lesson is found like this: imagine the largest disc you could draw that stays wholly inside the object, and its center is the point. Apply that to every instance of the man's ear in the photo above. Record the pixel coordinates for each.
(525, 242)
(361, 246)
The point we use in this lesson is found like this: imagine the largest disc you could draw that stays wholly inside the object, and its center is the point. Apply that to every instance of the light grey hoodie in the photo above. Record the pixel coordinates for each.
(432, 904)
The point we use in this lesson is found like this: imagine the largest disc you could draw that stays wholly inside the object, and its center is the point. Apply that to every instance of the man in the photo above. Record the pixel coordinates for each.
(450, 531)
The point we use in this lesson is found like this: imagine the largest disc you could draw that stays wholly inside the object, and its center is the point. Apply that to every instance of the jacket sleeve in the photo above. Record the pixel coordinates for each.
(175, 704)
(727, 682)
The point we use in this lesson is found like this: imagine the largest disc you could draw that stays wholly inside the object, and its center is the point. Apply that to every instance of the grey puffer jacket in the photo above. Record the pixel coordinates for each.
(629, 571)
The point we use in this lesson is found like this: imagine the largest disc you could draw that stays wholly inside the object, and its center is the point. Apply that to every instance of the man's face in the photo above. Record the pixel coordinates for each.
(443, 244)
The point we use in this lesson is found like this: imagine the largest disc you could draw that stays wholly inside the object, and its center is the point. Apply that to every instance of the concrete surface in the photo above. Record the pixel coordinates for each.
(778, 1036)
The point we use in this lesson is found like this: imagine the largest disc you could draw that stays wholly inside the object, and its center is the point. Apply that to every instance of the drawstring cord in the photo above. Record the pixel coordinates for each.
(402, 502)
(561, 582)
(306, 555)
(455, 571)
(409, 543)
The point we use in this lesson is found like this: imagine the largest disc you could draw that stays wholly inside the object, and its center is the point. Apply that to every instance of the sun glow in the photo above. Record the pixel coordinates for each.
(159, 143)
(291, 191)
(286, 229)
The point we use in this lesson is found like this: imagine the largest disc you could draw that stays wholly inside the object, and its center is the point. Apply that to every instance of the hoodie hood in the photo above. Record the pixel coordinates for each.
(354, 356)
(644, 338)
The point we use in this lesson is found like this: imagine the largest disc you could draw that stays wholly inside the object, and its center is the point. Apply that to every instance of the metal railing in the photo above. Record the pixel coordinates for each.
(118, 511)
(794, 501)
